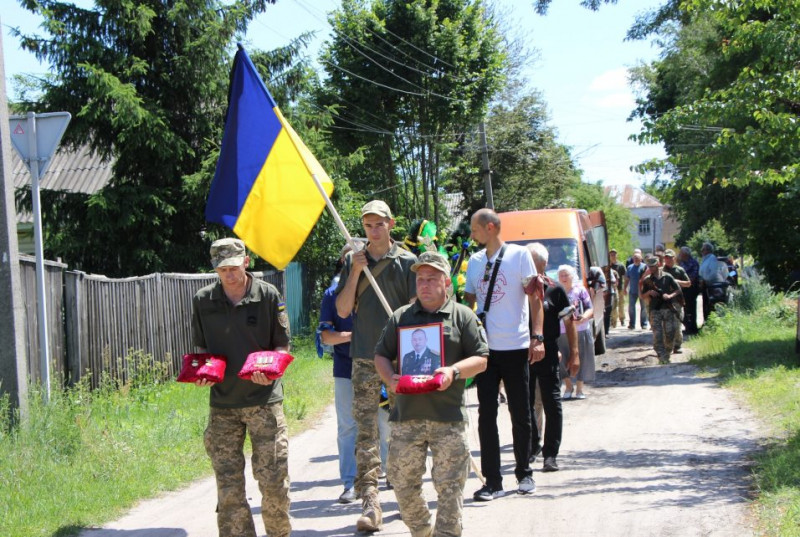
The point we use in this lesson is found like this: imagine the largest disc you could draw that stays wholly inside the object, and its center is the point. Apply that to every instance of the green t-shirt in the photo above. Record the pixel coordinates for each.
(462, 338)
(257, 323)
(677, 272)
(398, 284)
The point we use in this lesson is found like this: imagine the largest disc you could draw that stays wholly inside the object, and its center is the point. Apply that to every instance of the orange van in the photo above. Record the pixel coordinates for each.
(572, 237)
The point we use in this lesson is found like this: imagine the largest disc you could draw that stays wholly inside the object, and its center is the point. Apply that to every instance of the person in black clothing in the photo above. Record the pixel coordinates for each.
(545, 373)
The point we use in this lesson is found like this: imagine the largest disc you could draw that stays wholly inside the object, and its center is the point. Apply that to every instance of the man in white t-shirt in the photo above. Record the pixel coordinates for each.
(511, 347)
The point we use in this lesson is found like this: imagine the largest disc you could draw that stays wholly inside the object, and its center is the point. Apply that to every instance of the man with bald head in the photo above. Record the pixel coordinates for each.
(499, 282)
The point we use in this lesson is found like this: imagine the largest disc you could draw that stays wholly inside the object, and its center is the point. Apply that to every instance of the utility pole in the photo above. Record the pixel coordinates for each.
(13, 352)
(485, 171)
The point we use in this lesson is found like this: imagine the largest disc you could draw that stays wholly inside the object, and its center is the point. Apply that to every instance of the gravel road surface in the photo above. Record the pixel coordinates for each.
(653, 451)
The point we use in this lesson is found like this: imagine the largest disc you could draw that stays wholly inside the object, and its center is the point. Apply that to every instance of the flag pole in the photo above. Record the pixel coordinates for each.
(351, 242)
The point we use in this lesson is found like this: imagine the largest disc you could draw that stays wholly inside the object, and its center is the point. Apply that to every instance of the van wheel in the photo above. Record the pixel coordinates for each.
(600, 343)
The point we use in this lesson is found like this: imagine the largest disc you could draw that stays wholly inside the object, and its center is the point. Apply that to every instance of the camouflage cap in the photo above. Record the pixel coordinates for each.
(434, 260)
(376, 207)
(669, 253)
(228, 252)
(652, 262)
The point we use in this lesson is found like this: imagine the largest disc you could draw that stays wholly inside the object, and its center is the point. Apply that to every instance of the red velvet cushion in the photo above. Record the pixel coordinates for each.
(409, 384)
(202, 366)
(271, 363)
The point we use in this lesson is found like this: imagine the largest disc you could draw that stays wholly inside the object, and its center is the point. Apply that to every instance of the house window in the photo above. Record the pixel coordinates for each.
(644, 226)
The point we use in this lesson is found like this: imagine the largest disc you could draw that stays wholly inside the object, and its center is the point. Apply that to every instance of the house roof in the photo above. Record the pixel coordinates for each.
(80, 171)
(631, 197)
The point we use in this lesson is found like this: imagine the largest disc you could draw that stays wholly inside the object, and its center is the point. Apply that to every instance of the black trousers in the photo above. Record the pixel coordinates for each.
(512, 368)
(549, 377)
(690, 309)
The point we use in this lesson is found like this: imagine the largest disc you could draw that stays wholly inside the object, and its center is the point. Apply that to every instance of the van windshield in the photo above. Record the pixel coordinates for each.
(561, 252)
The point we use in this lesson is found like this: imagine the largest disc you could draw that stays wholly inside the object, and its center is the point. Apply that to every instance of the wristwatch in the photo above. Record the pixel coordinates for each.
(538, 337)
(456, 373)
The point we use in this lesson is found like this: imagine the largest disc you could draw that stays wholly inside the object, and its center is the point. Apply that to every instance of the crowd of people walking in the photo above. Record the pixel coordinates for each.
(517, 328)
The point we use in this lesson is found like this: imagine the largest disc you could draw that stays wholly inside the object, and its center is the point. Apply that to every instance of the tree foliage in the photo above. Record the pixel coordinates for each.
(619, 220)
(541, 6)
(714, 233)
(736, 123)
(529, 168)
(409, 81)
(146, 83)
(724, 100)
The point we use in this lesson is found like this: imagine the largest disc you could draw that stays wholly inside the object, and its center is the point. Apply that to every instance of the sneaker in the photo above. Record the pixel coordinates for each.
(567, 396)
(371, 516)
(550, 465)
(580, 396)
(348, 496)
(487, 494)
(526, 486)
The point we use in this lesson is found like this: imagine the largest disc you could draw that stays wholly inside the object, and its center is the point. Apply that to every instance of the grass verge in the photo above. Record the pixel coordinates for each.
(752, 348)
(87, 456)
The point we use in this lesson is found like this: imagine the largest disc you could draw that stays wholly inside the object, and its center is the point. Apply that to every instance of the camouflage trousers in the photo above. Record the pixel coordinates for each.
(408, 452)
(618, 310)
(366, 396)
(224, 441)
(678, 341)
(663, 324)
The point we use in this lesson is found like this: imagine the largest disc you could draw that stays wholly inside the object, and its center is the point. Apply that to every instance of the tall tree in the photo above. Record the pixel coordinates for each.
(409, 80)
(724, 100)
(146, 82)
(530, 169)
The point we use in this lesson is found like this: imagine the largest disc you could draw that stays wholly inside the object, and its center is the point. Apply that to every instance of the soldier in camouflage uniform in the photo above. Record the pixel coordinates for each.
(233, 317)
(390, 265)
(434, 420)
(680, 275)
(661, 292)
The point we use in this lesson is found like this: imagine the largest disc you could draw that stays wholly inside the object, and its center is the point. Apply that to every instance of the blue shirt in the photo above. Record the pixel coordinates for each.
(634, 273)
(692, 268)
(342, 363)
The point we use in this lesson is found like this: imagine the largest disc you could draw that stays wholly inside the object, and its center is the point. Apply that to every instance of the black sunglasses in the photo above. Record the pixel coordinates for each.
(487, 270)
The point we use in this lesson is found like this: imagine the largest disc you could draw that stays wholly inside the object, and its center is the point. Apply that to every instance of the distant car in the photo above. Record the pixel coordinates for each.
(572, 237)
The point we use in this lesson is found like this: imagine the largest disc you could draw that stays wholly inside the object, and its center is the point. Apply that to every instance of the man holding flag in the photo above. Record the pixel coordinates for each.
(390, 265)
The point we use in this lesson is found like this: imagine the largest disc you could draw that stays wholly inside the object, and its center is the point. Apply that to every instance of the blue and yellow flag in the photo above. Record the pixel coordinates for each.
(263, 188)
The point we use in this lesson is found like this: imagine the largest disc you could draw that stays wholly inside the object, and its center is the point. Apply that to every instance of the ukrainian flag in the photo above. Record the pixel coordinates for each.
(263, 187)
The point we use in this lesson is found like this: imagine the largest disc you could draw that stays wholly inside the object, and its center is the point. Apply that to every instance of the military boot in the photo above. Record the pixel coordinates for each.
(427, 531)
(371, 516)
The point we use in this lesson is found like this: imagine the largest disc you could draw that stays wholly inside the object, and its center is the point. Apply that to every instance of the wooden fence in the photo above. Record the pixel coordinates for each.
(97, 325)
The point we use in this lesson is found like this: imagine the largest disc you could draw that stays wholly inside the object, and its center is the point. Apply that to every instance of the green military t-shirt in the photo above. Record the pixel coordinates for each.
(257, 323)
(462, 338)
(677, 272)
(398, 284)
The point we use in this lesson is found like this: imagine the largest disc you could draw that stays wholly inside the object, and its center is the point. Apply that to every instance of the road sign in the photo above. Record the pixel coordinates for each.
(36, 137)
(49, 129)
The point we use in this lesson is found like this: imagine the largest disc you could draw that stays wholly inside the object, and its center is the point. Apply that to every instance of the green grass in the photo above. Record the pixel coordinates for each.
(86, 457)
(752, 348)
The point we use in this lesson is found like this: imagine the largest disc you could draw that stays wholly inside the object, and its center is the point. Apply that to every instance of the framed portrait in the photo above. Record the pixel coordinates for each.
(420, 348)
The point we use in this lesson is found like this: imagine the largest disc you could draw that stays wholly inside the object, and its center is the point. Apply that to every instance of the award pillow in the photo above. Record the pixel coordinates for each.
(202, 366)
(410, 384)
(271, 363)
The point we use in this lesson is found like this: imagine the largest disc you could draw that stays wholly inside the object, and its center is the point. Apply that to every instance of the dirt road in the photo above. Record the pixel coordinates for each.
(653, 451)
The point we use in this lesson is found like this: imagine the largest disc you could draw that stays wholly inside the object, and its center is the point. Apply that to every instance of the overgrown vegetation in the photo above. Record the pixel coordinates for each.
(751, 345)
(88, 455)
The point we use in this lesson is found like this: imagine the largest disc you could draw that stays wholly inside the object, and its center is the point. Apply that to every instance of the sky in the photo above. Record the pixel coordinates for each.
(581, 70)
